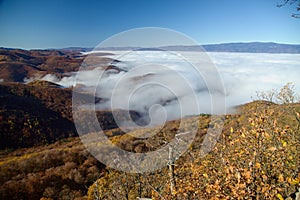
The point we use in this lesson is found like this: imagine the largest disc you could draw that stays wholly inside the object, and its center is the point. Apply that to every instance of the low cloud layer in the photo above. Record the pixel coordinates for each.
(246, 73)
(165, 85)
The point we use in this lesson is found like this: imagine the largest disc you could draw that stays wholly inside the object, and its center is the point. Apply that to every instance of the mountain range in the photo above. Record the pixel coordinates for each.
(251, 47)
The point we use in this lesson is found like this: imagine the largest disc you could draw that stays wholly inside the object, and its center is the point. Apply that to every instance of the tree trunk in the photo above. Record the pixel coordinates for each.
(171, 171)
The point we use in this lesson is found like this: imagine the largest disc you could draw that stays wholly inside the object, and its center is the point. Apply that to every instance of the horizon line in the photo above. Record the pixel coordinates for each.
(200, 45)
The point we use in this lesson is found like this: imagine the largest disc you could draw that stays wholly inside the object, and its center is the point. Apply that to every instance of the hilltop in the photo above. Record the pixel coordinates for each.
(69, 166)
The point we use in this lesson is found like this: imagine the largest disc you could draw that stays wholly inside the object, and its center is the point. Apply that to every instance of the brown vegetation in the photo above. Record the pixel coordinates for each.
(257, 157)
(41, 113)
(62, 170)
(34, 115)
(17, 64)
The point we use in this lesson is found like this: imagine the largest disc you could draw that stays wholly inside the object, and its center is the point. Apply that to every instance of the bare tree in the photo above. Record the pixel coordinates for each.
(292, 2)
(285, 95)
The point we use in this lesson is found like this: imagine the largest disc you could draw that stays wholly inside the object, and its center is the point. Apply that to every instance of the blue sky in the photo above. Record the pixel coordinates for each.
(64, 23)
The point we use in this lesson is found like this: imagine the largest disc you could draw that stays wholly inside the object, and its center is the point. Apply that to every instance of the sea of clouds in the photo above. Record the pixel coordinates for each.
(166, 85)
(246, 73)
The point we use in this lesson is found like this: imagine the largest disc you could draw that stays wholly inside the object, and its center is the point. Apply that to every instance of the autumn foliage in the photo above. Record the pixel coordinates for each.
(257, 157)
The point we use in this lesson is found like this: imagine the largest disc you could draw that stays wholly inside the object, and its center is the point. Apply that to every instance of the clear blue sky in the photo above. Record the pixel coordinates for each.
(64, 23)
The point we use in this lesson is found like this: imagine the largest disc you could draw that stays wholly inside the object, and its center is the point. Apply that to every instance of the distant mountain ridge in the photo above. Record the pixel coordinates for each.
(254, 47)
(251, 47)
(246, 47)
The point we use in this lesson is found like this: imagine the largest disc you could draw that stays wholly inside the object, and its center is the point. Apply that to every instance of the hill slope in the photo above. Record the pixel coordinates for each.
(18, 64)
(34, 115)
(41, 112)
(254, 157)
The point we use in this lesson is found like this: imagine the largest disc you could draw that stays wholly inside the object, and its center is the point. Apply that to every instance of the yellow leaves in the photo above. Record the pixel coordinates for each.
(292, 181)
(295, 181)
(280, 178)
(231, 130)
(238, 176)
(227, 171)
(257, 165)
(264, 177)
(208, 189)
(272, 149)
(205, 175)
(242, 185)
(265, 189)
(247, 174)
(267, 135)
(298, 114)
(279, 197)
(257, 134)
(216, 187)
(283, 143)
